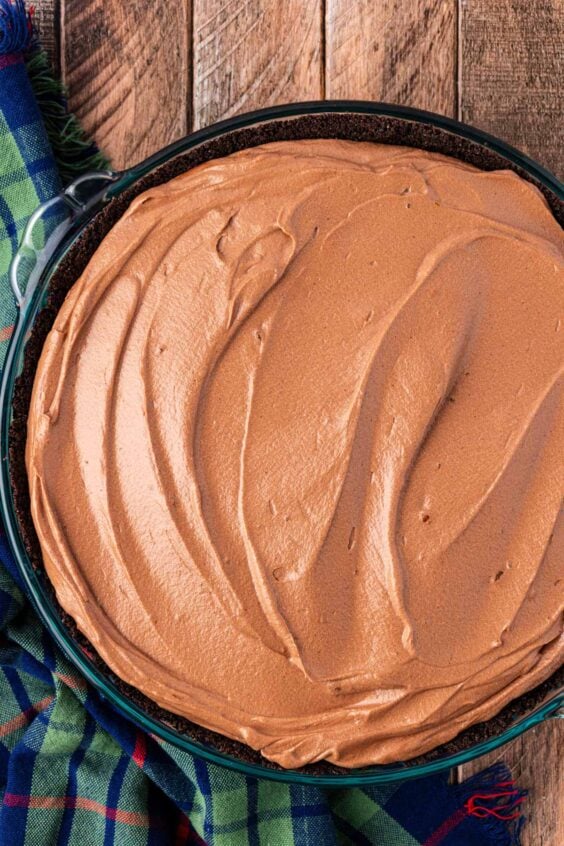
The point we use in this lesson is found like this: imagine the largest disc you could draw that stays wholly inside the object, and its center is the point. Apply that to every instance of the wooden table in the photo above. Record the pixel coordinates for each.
(142, 73)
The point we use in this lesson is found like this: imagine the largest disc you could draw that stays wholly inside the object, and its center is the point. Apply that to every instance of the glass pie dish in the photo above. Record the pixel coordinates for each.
(60, 238)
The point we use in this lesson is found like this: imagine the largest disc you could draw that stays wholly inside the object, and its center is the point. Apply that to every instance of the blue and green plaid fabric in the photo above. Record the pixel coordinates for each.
(73, 772)
(28, 175)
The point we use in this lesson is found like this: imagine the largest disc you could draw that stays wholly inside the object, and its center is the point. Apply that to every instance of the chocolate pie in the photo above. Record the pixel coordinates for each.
(295, 448)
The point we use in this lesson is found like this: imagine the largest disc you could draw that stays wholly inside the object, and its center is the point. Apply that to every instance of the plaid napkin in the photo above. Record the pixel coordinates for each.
(72, 770)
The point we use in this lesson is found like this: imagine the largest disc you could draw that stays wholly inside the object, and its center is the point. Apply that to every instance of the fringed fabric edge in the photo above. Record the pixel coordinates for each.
(73, 151)
(492, 797)
(15, 28)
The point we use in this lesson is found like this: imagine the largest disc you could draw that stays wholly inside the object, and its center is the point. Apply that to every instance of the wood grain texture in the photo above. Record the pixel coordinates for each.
(536, 761)
(126, 69)
(46, 19)
(254, 53)
(512, 73)
(400, 51)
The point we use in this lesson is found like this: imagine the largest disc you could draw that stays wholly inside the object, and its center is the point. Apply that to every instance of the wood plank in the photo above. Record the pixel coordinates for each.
(46, 19)
(512, 74)
(254, 53)
(537, 763)
(126, 69)
(399, 51)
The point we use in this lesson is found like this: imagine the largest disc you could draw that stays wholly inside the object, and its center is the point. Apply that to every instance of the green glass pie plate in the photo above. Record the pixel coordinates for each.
(58, 226)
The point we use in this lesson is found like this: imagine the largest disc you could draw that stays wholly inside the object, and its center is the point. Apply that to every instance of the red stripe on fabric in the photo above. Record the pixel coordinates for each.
(83, 803)
(183, 830)
(5, 331)
(140, 751)
(25, 717)
(14, 800)
(75, 682)
(445, 828)
(10, 59)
